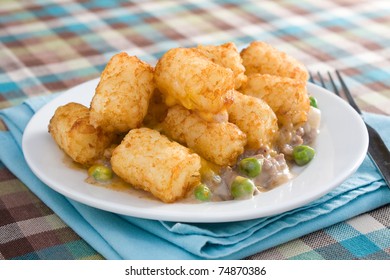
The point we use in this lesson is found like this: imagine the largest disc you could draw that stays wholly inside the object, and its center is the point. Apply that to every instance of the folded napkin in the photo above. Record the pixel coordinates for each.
(124, 237)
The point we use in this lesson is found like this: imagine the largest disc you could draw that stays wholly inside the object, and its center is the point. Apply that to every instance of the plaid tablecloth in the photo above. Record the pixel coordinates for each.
(50, 46)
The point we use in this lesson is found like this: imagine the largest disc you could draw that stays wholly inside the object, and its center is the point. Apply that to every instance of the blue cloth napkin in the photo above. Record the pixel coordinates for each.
(123, 237)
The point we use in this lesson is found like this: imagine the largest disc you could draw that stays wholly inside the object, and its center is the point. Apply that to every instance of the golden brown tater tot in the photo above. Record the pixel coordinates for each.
(150, 161)
(71, 129)
(255, 118)
(220, 143)
(287, 97)
(226, 55)
(262, 58)
(186, 76)
(122, 95)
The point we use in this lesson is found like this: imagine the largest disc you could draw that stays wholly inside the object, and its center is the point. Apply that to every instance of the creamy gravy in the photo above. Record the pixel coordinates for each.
(115, 184)
(275, 169)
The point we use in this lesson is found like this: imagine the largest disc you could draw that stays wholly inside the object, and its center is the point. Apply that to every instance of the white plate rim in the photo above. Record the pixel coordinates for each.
(337, 116)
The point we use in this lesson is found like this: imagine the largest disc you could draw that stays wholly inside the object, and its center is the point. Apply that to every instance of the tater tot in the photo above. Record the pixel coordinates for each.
(220, 143)
(262, 58)
(255, 118)
(186, 76)
(71, 129)
(150, 161)
(226, 55)
(121, 99)
(287, 97)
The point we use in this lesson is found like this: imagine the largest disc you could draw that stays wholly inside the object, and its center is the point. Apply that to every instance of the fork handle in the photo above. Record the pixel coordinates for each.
(380, 155)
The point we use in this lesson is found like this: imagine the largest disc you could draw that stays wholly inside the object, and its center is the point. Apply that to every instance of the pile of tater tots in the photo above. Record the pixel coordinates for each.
(199, 111)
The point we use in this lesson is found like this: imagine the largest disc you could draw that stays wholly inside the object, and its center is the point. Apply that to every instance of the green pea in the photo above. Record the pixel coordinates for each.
(242, 188)
(202, 193)
(100, 172)
(303, 154)
(313, 102)
(250, 167)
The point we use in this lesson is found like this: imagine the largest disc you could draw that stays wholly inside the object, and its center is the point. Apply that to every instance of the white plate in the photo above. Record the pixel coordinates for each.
(341, 147)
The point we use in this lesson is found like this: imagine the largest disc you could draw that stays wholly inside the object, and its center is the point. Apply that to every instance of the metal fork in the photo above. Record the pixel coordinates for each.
(377, 150)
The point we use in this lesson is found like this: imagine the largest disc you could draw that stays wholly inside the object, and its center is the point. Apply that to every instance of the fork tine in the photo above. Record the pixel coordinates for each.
(311, 79)
(335, 89)
(321, 80)
(348, 93)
